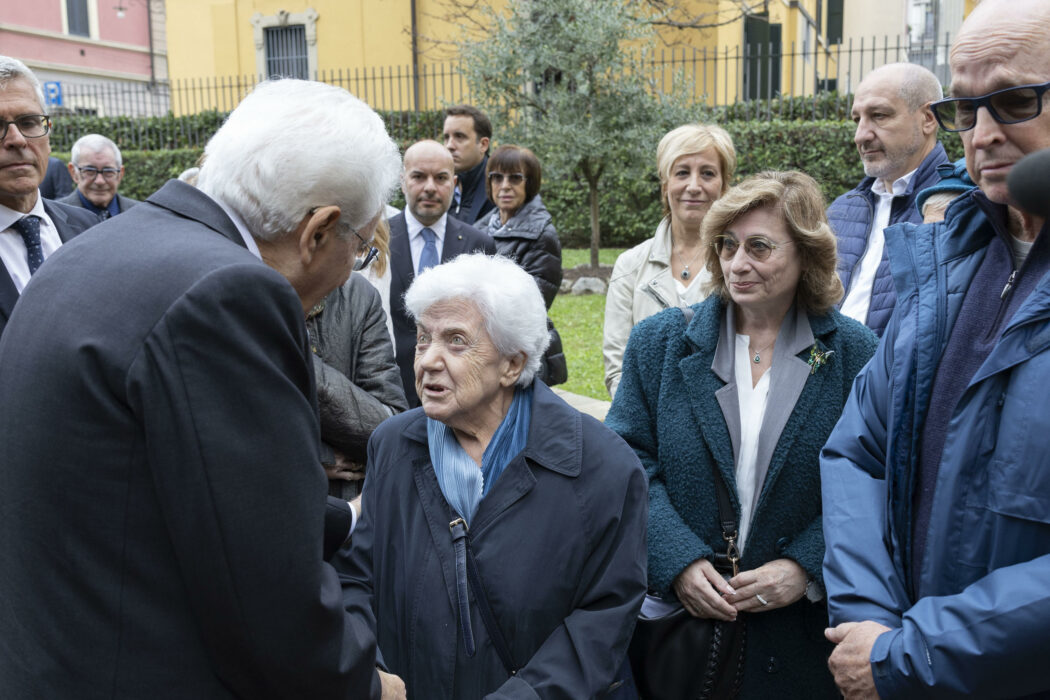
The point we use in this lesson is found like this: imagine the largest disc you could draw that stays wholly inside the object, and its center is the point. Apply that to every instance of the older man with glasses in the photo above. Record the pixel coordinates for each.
(31, 227)
(936, 481)
(97, 170)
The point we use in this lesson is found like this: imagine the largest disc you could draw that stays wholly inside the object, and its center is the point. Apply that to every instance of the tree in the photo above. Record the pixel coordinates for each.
(562, 77)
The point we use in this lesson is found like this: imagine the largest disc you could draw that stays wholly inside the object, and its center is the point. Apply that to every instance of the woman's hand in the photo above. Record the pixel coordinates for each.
(773, 585)
(704, 592)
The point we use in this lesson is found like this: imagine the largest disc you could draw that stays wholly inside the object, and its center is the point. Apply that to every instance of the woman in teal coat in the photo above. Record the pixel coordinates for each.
(750, 388)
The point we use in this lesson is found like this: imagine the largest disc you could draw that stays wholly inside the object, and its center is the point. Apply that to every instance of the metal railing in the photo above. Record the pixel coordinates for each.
(764, 81)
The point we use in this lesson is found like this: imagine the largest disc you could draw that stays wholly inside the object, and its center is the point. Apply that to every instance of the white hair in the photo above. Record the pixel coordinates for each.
(95, 143)
(294, 145)
(13, 69)
(507, 297)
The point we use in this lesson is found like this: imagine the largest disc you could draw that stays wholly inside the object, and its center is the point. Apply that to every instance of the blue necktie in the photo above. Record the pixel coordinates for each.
(29, 228)
(457, 197)
(429, 257)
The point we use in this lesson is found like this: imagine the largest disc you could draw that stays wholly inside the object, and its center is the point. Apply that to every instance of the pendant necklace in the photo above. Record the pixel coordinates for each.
(758, 353)
(685, 270)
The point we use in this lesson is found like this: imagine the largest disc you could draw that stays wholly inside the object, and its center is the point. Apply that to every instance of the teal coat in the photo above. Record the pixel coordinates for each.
(667, 409)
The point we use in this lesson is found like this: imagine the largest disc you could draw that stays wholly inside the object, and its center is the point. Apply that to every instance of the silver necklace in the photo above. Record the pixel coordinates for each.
(685, 270)
(758, 353)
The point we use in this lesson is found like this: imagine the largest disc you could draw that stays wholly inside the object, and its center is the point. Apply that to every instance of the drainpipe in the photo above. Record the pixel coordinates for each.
(149, 28)
(415, 57)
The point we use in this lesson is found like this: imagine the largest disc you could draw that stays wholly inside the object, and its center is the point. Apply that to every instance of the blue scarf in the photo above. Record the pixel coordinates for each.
(462, 483)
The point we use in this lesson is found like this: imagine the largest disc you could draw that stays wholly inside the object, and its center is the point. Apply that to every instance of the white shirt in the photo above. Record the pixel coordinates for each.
(415, 236)
(858, 299)
(752, 402)
(13, 248)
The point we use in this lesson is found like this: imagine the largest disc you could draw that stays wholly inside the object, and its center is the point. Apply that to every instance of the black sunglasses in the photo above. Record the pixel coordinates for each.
(1007, 106)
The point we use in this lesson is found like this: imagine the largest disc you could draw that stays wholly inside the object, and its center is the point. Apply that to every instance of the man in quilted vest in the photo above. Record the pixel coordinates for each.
(897, 140)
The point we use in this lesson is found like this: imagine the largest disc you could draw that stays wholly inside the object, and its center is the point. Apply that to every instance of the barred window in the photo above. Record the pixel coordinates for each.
(286, 53)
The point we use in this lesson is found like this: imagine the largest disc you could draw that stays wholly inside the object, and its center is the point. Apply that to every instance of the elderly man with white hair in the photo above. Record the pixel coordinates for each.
(97, 169)
(161, 488)
(502, 546)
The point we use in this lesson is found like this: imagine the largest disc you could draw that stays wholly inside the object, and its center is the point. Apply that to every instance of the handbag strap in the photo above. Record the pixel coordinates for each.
(726, 517)
(467, 573)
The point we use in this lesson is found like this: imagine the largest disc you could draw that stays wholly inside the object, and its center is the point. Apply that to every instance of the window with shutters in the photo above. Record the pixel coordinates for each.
(77, 21)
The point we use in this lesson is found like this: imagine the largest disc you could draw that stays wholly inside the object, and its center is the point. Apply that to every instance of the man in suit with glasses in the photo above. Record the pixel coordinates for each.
(97, 169)
(31, 227)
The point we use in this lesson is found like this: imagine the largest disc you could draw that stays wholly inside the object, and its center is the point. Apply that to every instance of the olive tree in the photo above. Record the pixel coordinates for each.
(567, 78)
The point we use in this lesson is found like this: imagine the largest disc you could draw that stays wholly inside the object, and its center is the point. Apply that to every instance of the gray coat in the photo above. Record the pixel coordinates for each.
(358, 384)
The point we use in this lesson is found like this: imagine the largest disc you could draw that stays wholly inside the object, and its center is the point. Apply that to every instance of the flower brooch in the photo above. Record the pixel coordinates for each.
(818, 358)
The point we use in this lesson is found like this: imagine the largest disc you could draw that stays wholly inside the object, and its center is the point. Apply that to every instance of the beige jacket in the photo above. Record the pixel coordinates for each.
(640, 286)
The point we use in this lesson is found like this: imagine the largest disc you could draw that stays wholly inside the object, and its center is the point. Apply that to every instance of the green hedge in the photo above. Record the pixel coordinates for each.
(630, 206)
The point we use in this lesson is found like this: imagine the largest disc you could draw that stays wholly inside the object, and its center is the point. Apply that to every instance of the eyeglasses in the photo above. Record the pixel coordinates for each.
(1008, 106)
(757, 247)
(512, 178)
(362, 263)
(91, 172)
(32, 126)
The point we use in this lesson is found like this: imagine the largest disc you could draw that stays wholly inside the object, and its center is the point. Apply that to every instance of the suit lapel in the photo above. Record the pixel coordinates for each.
(60, 220)
(400, 258)
(454, 243)
(8, 296)
(707, 394)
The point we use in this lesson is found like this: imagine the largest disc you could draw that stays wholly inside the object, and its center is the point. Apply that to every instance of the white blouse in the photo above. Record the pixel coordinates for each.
(752, 402)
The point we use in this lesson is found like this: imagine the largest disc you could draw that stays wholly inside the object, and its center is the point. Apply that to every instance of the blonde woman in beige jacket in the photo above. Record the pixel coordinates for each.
(696, 164)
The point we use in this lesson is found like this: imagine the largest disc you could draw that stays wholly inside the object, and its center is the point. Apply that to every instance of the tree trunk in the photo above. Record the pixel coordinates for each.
(592, 192)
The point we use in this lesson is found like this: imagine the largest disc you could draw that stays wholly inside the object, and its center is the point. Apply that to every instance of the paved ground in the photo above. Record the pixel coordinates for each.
(584, 404)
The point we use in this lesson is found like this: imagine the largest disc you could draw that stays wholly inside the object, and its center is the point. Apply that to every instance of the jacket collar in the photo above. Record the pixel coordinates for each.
(555, 439)
(186, 200)
(660, 250)
(927, 169)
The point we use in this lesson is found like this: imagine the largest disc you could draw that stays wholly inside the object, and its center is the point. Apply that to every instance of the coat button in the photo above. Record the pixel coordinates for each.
(773, 666)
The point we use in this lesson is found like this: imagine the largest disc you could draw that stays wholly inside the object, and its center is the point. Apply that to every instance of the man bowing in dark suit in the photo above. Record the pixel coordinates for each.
(162, 499)
(423, 236)
(31, 228)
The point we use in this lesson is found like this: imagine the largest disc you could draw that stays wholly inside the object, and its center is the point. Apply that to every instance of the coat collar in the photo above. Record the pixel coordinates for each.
(555, 439)
(188, 201)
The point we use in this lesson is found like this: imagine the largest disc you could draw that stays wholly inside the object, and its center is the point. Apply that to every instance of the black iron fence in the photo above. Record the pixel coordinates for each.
(754, 81)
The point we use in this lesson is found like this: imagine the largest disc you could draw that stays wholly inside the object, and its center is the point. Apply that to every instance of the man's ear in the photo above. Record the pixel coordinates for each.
(484, 143)
(73, 172)
(929, 122)
(316, 230)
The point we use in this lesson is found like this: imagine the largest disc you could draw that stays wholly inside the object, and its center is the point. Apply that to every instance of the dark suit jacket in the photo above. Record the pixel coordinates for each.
(69, 221)
(123, 203)
(173, 386)
(57, 181)
(459, 238)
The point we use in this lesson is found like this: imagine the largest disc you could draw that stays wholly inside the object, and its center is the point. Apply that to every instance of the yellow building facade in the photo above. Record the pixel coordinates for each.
(399, 54)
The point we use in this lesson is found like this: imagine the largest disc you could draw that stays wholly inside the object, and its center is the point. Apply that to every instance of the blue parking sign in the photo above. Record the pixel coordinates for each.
(53, 93)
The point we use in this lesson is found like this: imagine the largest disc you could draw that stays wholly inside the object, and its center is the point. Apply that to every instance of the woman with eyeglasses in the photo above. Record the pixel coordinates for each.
(695, 163)
(744, 395)
(524, 232)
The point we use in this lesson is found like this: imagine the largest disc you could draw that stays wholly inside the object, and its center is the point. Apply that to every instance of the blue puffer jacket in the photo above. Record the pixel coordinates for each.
(977, 626)
(851, 216)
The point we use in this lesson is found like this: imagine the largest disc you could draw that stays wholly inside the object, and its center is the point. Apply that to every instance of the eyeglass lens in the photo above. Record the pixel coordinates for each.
(1009, 106)
(91, 172)
(31, 126)
(514, 178)
(756, 247)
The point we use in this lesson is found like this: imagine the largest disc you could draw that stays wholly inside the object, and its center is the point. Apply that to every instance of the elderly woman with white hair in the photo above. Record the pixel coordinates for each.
(502, 545)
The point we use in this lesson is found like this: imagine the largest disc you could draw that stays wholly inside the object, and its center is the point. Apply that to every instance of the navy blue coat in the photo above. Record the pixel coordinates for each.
(560, 544)
(851, 216)
(667, 409)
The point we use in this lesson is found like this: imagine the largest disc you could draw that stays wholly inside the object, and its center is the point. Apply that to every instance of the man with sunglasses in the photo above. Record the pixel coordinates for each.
(97, 170)
(936, 481)
(31, 227)
(423, 235)
(896, 138)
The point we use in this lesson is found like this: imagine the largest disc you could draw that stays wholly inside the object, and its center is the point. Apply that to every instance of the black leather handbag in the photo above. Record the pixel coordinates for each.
(678, 656)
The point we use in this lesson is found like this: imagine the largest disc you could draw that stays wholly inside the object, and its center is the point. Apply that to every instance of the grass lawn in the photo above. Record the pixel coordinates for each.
(579, 321)
(571, 257)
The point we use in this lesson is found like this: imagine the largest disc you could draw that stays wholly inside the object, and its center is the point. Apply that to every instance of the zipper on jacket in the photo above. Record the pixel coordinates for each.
(656, 295)
(1009, 284)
